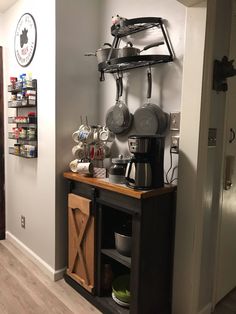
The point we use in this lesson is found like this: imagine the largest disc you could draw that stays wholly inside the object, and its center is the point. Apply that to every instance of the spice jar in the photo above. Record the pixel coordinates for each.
(31, 133)
(22, 133)
(17, 149)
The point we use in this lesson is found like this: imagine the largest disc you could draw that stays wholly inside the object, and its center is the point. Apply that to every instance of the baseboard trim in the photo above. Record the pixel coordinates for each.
(206, 309)
(47, 269)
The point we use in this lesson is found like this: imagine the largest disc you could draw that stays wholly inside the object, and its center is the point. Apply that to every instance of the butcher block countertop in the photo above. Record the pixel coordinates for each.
(119, 188)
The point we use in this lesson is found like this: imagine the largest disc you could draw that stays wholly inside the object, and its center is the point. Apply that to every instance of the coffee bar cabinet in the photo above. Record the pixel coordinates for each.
(96, 210)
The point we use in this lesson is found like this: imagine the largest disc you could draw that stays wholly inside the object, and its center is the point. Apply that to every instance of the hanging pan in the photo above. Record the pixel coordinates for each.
(150, 119)
(118, 117)
(121, 114)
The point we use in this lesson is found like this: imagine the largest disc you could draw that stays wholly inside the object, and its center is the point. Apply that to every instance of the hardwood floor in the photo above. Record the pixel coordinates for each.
(227, 305)
(25, 289)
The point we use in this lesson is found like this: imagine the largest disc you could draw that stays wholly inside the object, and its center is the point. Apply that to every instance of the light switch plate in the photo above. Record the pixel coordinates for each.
(174, 121)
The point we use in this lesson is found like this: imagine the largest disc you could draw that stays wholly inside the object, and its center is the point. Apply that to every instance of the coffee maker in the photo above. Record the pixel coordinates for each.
(145, 169)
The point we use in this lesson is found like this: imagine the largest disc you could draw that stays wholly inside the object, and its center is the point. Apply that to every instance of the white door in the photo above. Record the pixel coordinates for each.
(226, 264)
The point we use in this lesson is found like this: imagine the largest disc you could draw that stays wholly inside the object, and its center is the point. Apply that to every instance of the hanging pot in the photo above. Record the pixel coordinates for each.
(150, 119)
(103, 53)
(130, 51)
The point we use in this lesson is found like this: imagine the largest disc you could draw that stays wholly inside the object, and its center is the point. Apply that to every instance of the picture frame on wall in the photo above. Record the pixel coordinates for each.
(25, 39)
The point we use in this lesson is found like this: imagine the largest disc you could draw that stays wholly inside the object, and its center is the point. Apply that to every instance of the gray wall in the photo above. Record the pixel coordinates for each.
(77, 31)
(167, 78)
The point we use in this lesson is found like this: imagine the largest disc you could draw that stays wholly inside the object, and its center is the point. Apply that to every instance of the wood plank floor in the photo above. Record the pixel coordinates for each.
(25, 289)
(227, 305)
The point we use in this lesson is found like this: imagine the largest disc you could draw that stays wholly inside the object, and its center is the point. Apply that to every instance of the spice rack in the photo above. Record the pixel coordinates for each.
(24, 122)
(126, 28)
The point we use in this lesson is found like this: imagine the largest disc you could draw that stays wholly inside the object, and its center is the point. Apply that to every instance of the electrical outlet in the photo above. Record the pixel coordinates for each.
(174, 144)
(174, 121)
(22, 221)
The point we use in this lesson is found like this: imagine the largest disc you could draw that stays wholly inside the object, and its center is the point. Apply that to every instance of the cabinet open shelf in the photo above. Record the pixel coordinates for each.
(12, 152)
(11, 136)
(18, 86)
(30, 120)
(124, 260)
(21, 103)
(114, 308)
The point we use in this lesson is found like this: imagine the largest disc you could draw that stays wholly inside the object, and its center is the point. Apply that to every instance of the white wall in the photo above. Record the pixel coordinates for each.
(167, 78)
(77, 32)
(191, 177)
(1, 30)
(30, 184)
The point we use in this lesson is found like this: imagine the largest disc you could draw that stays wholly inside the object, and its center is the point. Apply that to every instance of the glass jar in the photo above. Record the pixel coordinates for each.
(31, 133)
(17, 149)
(117, 170)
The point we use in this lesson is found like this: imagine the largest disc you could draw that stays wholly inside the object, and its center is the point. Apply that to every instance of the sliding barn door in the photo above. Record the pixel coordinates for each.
(81, 241)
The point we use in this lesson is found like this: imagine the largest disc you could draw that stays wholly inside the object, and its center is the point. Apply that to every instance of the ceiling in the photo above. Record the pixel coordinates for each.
(6, 4)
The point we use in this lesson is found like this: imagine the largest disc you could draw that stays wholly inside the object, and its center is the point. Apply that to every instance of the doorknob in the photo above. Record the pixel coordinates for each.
(229, 167)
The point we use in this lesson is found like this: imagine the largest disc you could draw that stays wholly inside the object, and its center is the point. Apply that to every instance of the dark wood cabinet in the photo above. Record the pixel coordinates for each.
(152, 214)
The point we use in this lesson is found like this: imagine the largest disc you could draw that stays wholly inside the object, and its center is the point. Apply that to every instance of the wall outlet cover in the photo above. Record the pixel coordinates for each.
(174, 121)
(22, 221)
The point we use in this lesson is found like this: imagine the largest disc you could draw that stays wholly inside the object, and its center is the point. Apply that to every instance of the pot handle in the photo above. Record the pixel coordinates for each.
(149, 79)
(127, 173)
(89, 54)
(117, 88)
(106, 44)
(129, 44)
(152, 45)
(120, 84)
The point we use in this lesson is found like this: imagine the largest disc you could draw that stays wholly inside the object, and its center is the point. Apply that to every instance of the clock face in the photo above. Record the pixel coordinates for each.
(25, 39)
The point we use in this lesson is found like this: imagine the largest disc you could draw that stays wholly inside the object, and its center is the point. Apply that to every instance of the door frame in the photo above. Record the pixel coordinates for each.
(2, 164)
(193, 157)
(221, 163)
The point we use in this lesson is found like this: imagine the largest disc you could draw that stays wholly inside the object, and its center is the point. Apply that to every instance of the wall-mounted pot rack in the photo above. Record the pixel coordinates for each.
(128, 27)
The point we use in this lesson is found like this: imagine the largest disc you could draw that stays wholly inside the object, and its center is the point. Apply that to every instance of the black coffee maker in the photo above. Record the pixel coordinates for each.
(145, 169)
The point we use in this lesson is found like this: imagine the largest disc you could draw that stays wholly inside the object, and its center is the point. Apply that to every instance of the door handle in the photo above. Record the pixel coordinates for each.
(229, 167)
(232, 135)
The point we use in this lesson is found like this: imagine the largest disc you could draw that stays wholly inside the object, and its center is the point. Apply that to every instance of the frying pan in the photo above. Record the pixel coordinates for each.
(124, 123)
(121, 114)
(150, 119)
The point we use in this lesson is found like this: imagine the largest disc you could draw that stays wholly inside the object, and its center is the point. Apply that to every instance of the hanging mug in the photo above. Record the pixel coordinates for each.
(79, 151)
(83, 134)
(106, 135)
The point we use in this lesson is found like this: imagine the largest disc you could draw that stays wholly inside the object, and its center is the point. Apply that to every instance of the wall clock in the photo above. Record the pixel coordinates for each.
(25, 39)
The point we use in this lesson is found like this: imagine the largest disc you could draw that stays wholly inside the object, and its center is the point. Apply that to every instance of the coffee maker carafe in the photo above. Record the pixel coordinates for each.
(145, 169)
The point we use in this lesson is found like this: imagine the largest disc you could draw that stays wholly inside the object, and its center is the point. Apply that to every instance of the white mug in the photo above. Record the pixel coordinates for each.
(106, 135)
(85, 167)
(81, 167)
(73, 165)
(79, 151)
(83, 134)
